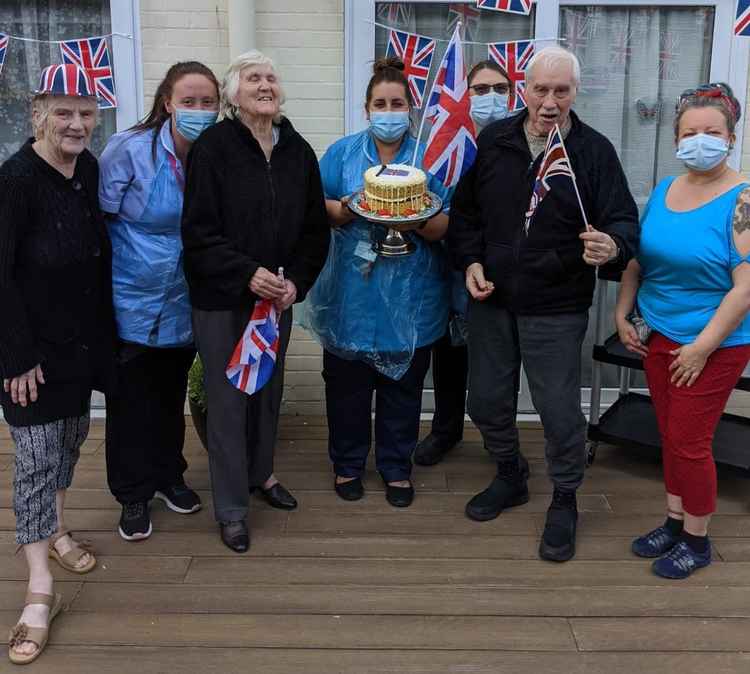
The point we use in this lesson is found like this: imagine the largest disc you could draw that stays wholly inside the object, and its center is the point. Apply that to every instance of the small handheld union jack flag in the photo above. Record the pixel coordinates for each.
(513, 57)
(92, 54)
(3, 48)
(515, 6)
(254, 358)
(451, 147)
(742, 22)
(555, 163)
(416, 52)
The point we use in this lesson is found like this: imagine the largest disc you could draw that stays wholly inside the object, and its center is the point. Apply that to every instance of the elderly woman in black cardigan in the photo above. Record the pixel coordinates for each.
(56, 330)
(253, 204)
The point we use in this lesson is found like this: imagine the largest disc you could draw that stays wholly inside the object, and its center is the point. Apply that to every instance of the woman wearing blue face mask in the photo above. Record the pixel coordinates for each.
(489, 86)
(376, 316)
(691, 285)
(141, 190)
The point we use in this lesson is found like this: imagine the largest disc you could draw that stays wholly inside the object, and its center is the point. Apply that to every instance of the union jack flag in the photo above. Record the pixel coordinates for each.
(555, 163)
(515, 6)
(579, 27)
(416, 52)
(395, 13)
(620, 49)
(254, 357)
(3, 48)
(92, 54)
(451, 147)
(467, 14)
(513, 57)
(742, 22)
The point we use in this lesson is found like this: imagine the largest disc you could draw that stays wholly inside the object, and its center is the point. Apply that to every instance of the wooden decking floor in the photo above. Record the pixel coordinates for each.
(363, 587)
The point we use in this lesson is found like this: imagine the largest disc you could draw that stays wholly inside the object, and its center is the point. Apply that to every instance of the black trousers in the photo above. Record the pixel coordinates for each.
(398, 404)
(450, 369)
(145, 429)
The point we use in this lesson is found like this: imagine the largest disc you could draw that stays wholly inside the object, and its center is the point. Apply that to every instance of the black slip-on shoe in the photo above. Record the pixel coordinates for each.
(353, 490)
(278, 497)
(399, 497)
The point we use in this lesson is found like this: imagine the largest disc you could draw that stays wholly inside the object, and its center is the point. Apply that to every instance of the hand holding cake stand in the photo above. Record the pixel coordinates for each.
(395, 196)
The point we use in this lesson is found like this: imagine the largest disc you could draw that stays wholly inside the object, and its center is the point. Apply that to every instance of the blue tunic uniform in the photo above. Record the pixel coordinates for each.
(144, 196)
(369, 307)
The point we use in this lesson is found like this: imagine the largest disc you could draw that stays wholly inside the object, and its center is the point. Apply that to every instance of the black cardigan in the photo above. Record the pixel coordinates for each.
(542, 273)
(242, 212)
(55, 285)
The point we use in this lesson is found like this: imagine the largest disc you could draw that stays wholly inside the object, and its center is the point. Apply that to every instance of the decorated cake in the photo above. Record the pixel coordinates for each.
(395, 190)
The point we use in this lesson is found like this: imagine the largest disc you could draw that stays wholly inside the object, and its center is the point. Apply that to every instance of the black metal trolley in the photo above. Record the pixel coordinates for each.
(631, 419)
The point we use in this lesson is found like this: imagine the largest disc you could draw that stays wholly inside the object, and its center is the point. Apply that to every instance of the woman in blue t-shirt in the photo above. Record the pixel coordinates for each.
(377, 317)
(141, 191)
(692, 282)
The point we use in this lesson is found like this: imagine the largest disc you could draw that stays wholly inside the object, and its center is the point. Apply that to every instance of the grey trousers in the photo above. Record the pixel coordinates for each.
(550, 349)
(241, 428)
(45, 458)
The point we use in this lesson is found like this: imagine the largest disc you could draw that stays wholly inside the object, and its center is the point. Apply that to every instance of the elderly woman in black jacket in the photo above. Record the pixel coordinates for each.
(56, 331)
(253, 206)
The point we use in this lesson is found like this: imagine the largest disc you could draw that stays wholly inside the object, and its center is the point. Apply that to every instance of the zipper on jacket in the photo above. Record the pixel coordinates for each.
(269, 174)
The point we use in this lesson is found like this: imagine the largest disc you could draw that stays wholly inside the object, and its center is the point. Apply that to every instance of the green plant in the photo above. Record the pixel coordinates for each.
(196, 390)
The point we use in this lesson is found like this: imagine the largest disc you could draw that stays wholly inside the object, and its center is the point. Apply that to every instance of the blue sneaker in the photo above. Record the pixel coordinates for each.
(655, 543)
(681, 561)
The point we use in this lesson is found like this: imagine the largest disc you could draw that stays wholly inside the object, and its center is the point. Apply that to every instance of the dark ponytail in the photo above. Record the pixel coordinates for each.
(390, 69)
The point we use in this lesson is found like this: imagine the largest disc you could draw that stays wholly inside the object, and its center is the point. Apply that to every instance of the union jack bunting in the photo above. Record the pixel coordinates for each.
(451, 147)
(416, 52)
(3, 48)
(742, 22)
(92, 54)
(395, 13)
(468, 15)
(555, 163)
(578, 28)
(254, 357)
(620, 49)
(515, 6)
(513, 57)
(669, 56)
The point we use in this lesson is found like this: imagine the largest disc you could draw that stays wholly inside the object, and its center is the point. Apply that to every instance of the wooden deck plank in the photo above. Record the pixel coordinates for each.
(471, 600)
(654, 634)
(327, 631)
(499, 573)
(116, 660)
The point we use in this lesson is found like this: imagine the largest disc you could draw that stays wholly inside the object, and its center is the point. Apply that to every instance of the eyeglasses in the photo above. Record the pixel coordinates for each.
(482, 89)
(712, 90)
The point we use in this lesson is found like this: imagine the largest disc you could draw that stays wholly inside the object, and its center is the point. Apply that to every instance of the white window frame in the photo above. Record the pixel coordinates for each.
(729, 55)
(125, 18)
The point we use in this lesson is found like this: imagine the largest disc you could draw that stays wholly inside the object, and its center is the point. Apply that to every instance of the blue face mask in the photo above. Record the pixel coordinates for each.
(389, 126)
(191, 123)
(488, 108)
(702, 152)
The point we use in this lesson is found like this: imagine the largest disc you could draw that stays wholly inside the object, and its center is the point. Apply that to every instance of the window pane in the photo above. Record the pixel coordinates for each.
(43, 20)
(635, 63)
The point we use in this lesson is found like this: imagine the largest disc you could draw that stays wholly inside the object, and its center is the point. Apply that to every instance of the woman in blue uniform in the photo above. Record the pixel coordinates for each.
(141, 190)
(377, 317)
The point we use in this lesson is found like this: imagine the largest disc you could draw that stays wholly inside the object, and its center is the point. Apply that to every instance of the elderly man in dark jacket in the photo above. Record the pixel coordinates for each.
(531, 290)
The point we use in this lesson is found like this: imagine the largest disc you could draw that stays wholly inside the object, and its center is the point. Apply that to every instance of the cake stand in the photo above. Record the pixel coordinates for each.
(394, 243)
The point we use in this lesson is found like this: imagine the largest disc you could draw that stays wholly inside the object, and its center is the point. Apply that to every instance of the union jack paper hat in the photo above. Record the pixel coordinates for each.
(66, 80)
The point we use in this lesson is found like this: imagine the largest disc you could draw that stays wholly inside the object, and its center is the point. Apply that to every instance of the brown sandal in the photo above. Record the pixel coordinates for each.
(38, 636)
(69, 560)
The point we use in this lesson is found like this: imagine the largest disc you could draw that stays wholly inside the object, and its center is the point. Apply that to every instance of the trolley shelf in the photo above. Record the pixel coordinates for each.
(613, 352)
(632, 420)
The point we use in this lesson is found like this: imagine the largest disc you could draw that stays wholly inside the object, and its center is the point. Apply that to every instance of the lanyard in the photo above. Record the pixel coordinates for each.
(176, 171)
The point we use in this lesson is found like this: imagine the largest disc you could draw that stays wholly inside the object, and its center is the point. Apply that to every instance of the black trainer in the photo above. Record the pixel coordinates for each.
(135, 521)
(180, 498)
(432, 449)
(558, 542)
(507, 489)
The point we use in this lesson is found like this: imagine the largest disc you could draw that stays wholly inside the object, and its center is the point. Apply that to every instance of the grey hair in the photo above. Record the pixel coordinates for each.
(553, 55)
(230, 83)
(41, 104)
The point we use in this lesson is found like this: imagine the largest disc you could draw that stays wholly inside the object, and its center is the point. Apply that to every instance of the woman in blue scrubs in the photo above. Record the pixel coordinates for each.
(377, 317)
(141, 190)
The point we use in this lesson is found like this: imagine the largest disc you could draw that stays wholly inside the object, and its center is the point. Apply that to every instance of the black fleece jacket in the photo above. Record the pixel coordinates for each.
(242, 212)
(542, 272)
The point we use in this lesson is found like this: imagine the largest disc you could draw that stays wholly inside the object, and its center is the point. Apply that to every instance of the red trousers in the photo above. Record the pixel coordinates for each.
(688, 417)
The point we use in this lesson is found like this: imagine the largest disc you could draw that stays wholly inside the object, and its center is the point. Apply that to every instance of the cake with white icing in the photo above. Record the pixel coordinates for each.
(395, 190)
